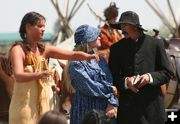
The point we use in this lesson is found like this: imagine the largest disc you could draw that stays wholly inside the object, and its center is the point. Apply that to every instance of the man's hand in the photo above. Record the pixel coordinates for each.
(143, 80)
(130, 84)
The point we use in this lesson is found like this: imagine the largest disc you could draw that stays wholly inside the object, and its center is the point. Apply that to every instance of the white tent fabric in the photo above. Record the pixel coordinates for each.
(68, 44)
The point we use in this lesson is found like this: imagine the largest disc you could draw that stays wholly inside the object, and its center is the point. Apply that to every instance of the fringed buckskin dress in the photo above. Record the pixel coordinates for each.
(31, 99)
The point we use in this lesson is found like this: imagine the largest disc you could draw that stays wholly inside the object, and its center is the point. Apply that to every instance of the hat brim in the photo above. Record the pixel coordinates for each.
(118, 25)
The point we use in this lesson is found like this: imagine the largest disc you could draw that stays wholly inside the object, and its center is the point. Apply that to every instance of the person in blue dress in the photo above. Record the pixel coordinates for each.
(92, 81)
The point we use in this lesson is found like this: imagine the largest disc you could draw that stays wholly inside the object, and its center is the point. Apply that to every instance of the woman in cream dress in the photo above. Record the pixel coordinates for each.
(33, 94)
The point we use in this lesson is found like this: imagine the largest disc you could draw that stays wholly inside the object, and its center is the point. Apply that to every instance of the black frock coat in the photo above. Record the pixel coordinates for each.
(129, 58)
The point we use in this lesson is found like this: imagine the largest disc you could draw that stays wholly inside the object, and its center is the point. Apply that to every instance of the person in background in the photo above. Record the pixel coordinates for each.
(6, 88)
(109, 35)
(139, 66)
(53, 117)
(96, 117)
(92, 82)
(32, 93)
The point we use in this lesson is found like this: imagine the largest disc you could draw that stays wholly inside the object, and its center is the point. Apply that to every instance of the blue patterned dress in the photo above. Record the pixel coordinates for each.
(92, 82)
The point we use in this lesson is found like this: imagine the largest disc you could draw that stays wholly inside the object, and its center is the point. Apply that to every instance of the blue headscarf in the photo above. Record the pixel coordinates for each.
(86, 33)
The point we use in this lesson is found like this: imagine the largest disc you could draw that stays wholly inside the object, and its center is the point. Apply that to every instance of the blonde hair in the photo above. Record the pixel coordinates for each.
(66, 75)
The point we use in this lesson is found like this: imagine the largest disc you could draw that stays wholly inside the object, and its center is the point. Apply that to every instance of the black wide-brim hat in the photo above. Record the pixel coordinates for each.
(129, 17)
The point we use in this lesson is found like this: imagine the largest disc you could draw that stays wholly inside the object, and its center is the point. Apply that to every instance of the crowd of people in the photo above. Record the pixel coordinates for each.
(116, 73)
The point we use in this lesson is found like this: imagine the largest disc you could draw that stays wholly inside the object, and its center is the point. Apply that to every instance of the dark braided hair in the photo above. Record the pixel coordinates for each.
(30, 18)
(111, 11)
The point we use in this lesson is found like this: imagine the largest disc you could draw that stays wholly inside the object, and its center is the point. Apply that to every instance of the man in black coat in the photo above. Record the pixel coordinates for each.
(139, 66)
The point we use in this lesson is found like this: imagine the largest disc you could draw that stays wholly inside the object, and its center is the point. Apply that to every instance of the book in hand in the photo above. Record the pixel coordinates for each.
(137, 81)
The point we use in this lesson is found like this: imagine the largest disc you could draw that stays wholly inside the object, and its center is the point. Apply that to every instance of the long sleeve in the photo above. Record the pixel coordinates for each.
(91, 81)
(115, 68)
(162, 64)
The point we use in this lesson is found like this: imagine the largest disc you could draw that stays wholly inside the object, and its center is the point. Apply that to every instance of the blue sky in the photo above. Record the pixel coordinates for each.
(12, 11)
